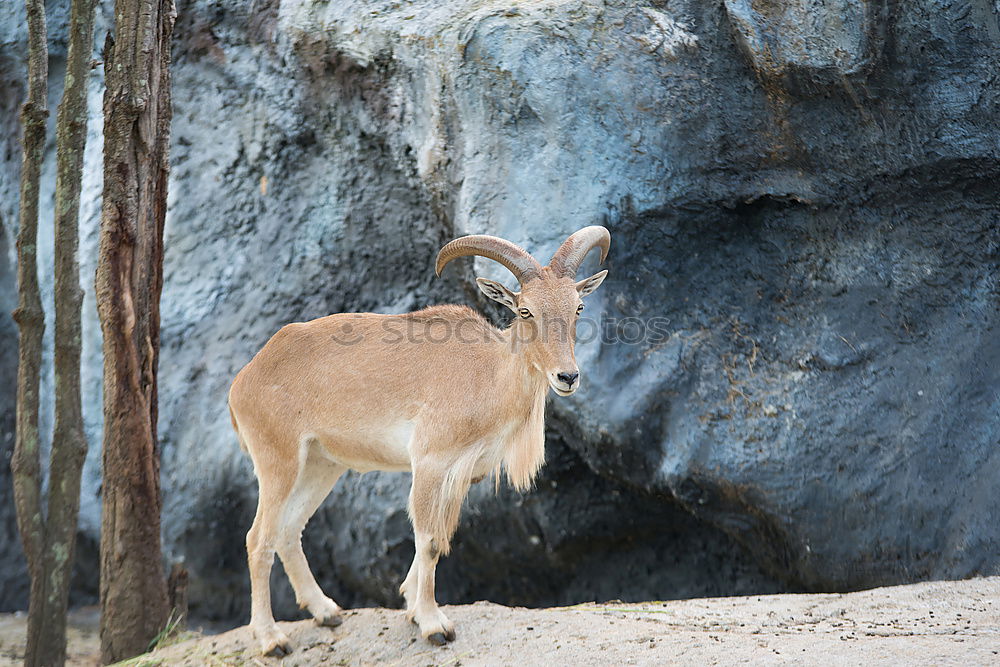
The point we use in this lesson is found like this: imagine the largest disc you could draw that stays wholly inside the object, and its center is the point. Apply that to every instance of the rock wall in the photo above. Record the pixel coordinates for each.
(795, 383)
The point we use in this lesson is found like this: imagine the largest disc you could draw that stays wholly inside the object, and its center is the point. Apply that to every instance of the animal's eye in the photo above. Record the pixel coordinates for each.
(524, 312)
(579, 309)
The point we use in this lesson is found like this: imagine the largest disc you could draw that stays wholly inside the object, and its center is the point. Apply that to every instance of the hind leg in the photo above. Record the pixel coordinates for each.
(313, 485)
(275, 483)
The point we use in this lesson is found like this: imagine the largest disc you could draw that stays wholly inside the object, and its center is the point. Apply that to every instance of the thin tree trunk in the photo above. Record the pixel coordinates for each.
(69, 444)
(49, 541)
(134, 605)
(31, 324)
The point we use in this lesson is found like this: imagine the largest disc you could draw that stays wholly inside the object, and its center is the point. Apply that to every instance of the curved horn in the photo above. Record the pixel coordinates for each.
(571, 253)
(514, 257)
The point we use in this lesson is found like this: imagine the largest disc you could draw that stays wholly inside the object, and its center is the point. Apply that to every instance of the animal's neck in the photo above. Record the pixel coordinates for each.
(520, 376)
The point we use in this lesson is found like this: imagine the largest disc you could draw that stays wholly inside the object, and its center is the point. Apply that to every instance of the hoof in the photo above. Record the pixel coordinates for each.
(273, 643)
(441, 638)
(278, 651)
(331, 621)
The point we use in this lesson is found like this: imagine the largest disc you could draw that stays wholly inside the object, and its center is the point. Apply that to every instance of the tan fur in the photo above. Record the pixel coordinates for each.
(439, 392)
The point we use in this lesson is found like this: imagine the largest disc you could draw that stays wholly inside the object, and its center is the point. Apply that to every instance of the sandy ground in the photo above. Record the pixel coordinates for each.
(938, 623)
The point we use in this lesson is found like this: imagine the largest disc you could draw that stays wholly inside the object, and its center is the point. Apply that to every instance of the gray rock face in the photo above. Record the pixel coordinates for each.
(812, 36)
(791, 376)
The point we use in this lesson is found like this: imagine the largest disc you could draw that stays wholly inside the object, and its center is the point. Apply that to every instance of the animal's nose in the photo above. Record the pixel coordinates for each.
(568, 378)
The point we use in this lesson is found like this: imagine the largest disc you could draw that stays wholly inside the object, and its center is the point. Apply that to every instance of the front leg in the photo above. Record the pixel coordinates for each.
(435, 502)
(408, 589)
(435, 627)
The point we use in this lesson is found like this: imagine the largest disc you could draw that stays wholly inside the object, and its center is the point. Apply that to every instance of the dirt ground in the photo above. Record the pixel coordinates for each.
(938, 623)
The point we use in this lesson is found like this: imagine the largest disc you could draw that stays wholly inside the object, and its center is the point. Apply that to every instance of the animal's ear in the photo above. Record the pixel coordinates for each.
(498, 292)
(588, 285)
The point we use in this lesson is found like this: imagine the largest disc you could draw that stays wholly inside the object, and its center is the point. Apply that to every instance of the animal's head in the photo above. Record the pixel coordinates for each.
(550, 300)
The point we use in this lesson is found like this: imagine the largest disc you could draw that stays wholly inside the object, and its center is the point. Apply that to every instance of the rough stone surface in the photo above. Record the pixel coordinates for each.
(802, 193)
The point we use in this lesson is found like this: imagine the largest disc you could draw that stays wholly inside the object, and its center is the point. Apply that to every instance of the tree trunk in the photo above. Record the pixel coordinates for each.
(137, 110)
(30, 319)
(49, 541)
(69, 445)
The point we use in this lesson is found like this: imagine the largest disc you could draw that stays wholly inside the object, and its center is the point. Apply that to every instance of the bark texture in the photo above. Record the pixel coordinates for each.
(134, 605)
(31, 324)
(69, 444)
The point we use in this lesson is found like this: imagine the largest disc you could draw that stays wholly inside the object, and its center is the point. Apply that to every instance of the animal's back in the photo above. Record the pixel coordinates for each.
(373, 371)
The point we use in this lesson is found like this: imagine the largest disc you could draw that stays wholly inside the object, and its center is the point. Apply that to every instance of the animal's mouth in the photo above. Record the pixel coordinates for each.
(562, 390)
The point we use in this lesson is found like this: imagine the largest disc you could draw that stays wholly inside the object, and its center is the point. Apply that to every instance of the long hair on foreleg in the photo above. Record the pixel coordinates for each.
(446, 500)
